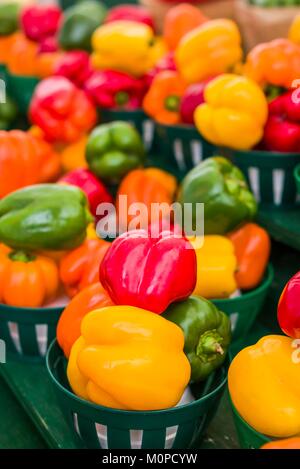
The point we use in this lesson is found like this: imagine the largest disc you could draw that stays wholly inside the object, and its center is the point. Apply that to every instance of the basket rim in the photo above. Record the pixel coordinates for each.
(297, 172)
(120, 412)
(264, 153)
(264, 285)
(28, 78)
(38, 310)
(263, 437)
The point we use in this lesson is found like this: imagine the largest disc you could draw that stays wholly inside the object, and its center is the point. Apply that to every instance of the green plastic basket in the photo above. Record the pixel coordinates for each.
(297, 178)
(243, 310)
(248, 437)
(182, 146)
(21, 89)
(270, 174)
(3, 73)
(144, 125)
(94, 426)
(28, 332)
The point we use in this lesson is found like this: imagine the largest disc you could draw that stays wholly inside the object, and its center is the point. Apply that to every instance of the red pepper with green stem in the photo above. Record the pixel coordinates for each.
(110, 89)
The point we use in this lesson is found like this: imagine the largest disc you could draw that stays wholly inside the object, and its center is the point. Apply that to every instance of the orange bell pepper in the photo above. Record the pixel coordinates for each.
(276, 63)
(162, 101)
(286, 443)
(80, 267)
(6, 43)
(73, 155)
(25, 160)
(180, 20)
(46, 63)
(252, 247)
(22, 59)
(26, 280)
(147, 186)
(68, 328)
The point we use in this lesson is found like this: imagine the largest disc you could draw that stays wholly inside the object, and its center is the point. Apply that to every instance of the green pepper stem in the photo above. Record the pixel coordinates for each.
(21, 256)
(209, 344)
(172, 103)
(121, 98)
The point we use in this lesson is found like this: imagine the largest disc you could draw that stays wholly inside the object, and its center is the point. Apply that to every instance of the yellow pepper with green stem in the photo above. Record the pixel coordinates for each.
(211, 49)
(234, 113)
(126, 46)
(264, 385)
(216, 266)
(129, 358)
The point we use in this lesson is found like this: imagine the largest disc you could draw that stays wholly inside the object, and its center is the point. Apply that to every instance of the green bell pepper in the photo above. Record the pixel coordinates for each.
(8, 113)
(223, 190)
(80, 21)
(44, 216)
(207, 334)
(113, 150)
(9, 18)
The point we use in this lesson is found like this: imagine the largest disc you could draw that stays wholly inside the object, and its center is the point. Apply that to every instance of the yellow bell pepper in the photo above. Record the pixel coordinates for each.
(129, 358)
(211, 49)
(126, 46)
(216, 266)
(234, 113)
(73, 155)
(294, 31)
(264, 385)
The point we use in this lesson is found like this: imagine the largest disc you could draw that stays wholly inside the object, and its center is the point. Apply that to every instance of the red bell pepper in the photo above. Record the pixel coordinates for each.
(130, 13)
(192, 98)
(40, 21)
(165, 63)
(147, 272)
(288, 310)
(111, 89)
(61, 110)
(282, 130)
(94, 189)
(76, 66)
(48, 44)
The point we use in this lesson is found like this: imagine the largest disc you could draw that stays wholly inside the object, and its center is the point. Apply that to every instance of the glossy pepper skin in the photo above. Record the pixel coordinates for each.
(40, 21)
(274, 63)
(61, 110)
(162, 101)
(288, 312)
(135, 13)
(80, 267)
(294, 31)
(73, 155)
(207, 334)
(113, 150)
(264, 385)
(166, 62)
(149, 272)
(282, 130)
(94, 189)
(115, 90)
(44, 216)
(126, 359)
(216, 266)
(68, 328)
(126, 46)
(25, 159)
(287, 443)
(26, 280)
(180, 20)
(74, 65)
(146, 186)
(211, 49)
(191, 99)
(222, 187)
(234, 113)
(9, 18)
(80, 22)
(252, 246)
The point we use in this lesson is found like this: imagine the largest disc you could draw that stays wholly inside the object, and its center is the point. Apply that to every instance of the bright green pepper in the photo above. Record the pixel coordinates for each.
(44, 216)
(8, 113)
(223, 190)
(207, 334)
(113, 150)
(9, 18)
(80, 21)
